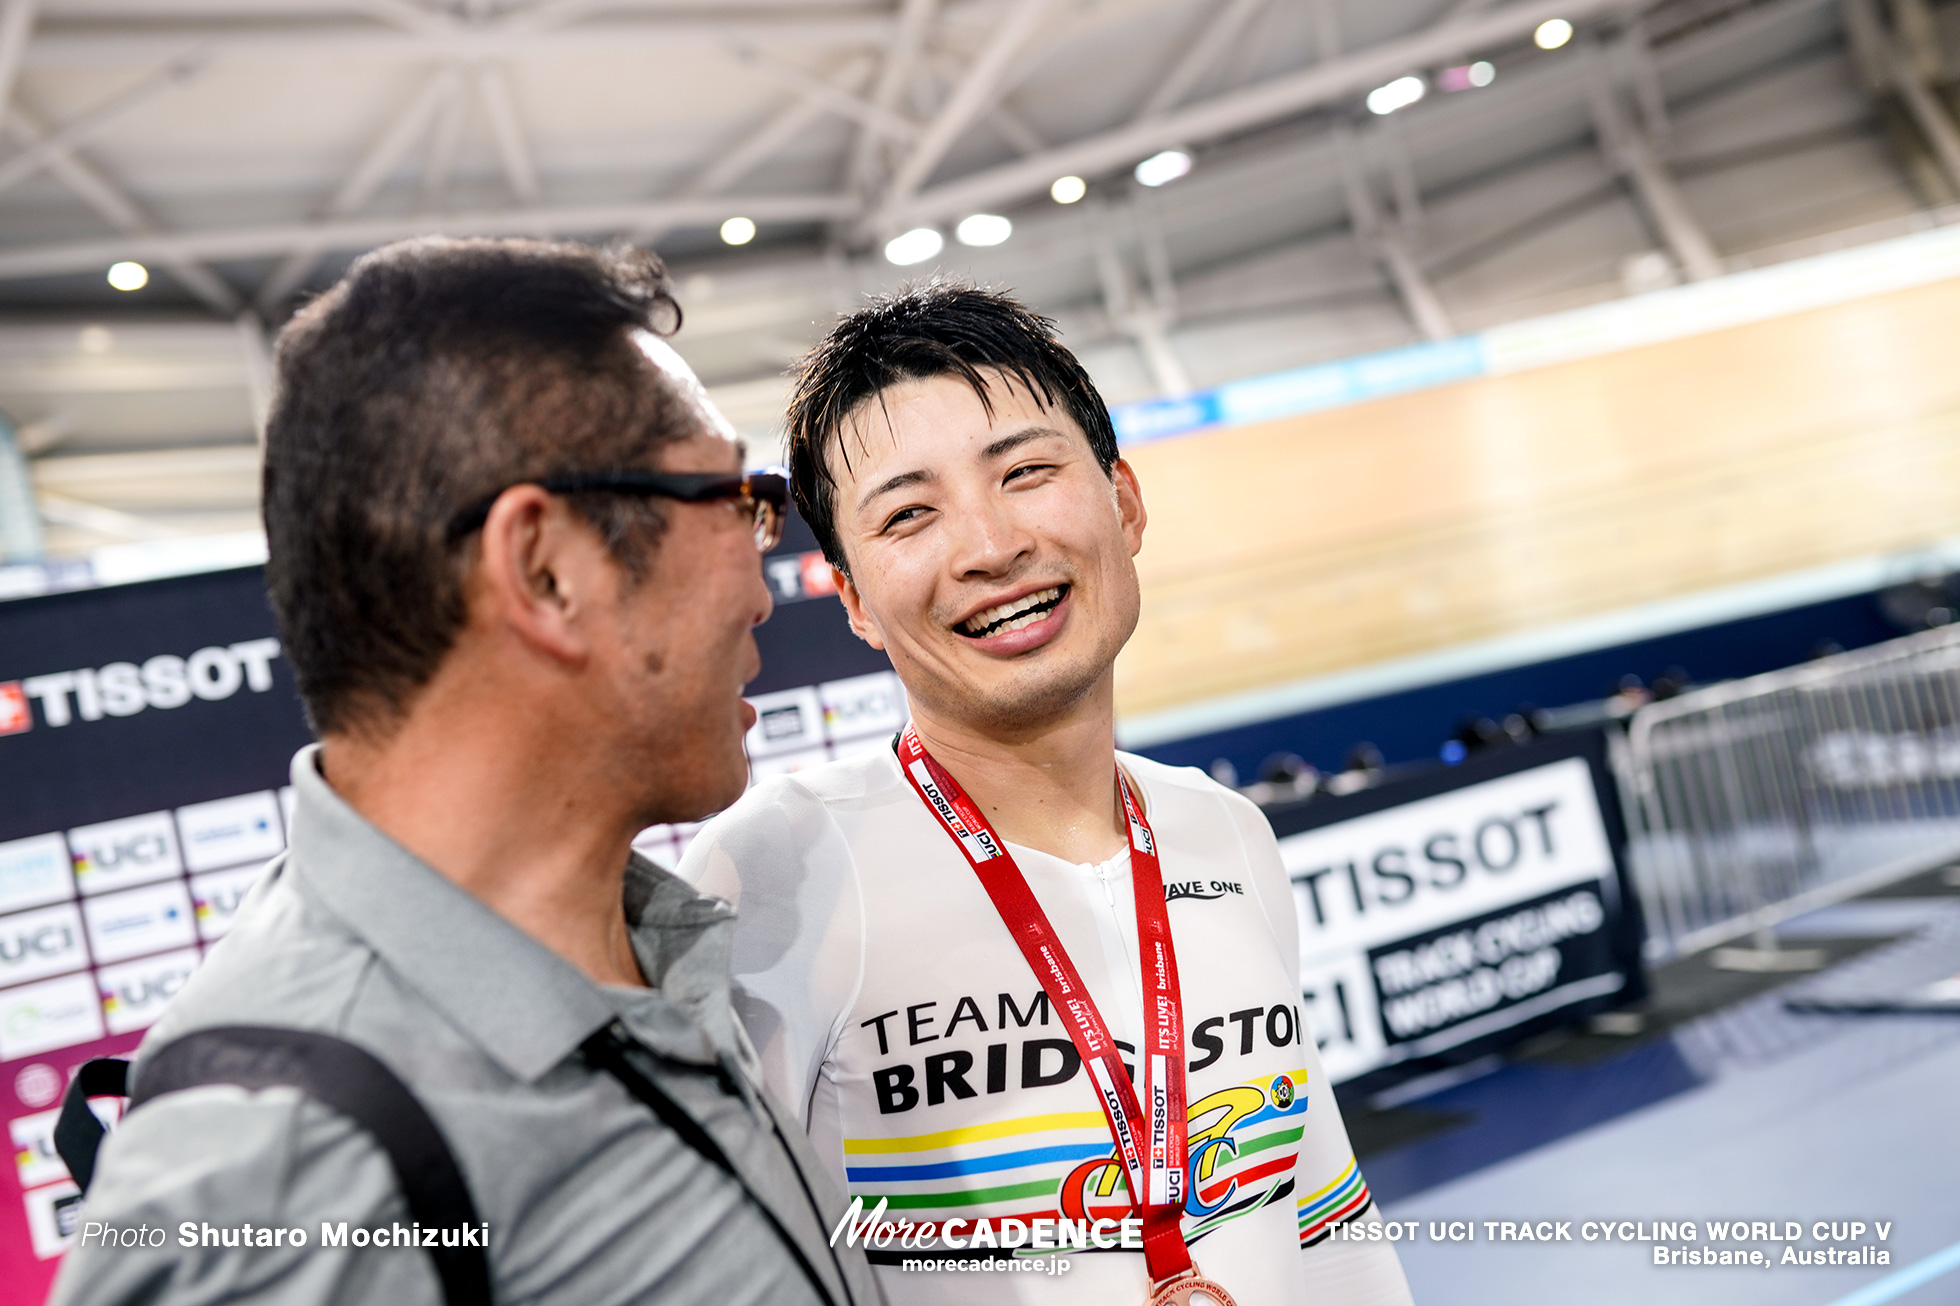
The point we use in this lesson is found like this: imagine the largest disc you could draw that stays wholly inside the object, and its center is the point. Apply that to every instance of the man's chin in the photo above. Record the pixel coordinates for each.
(708, 791)
(1016, 703)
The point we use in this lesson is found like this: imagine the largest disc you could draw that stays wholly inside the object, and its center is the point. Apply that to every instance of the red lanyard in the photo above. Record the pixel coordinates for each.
(1152, 1146)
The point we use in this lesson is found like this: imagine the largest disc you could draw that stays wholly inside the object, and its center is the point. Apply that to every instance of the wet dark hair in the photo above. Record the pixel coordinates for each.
(936, 329)
(436, 373)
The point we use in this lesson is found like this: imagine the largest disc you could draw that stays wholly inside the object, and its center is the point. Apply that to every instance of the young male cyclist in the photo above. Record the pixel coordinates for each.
(1006, 972)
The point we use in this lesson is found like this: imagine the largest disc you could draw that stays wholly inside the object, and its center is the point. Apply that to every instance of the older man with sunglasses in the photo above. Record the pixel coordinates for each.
(516, 564)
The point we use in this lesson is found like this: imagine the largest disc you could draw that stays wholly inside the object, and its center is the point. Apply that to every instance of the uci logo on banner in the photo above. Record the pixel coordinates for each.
(115, 854)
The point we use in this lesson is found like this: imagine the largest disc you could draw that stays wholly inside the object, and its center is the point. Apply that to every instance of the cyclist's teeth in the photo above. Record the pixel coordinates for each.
(981, 623)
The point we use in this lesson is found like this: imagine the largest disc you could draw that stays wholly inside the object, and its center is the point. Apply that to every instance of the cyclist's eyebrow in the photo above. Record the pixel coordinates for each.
(1008, 443)
(921, 476)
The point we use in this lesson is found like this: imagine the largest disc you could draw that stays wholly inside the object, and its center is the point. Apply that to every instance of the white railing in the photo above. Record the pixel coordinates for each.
(1751, 801)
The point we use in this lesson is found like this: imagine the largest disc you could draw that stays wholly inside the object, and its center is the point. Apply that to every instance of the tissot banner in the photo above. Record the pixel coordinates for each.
(1439, 912)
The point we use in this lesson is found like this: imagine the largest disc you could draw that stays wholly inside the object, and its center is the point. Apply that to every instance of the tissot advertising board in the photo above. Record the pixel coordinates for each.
(1440, 912)
(145, 736)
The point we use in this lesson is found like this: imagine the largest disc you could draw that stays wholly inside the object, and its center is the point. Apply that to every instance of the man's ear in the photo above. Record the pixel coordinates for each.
(538, 575)
(1129, 504)
(861, 624)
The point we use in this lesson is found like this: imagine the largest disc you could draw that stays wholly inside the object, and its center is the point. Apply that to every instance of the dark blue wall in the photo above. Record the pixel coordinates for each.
(1413, 724)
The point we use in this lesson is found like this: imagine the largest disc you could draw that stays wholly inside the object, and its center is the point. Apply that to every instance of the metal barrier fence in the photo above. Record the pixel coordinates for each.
(1752, 801)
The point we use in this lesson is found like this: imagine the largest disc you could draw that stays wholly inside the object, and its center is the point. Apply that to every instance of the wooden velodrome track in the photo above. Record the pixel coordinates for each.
(1304, 546)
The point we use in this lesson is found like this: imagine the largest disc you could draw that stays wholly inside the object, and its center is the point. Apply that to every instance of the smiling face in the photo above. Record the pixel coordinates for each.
(990, 555)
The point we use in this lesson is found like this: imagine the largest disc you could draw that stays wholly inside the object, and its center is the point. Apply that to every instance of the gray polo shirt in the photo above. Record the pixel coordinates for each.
(589, 1198)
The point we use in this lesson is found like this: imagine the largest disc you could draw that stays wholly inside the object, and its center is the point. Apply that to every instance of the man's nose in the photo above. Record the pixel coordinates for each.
(762, 600)
(990, 541)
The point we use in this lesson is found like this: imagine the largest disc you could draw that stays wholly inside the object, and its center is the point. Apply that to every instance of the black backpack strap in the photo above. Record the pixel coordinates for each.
(77, 1133)
(353, 1082)
(331, 1071)
(607, 1050)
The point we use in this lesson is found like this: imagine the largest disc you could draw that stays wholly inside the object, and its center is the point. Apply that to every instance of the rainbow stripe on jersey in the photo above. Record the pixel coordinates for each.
(1244, 1141)
(1337, 1203)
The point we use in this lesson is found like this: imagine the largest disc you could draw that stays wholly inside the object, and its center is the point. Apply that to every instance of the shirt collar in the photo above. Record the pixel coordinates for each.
(522, 1004)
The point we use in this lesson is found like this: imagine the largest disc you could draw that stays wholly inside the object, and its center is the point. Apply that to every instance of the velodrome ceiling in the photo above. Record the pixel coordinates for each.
(244, 150)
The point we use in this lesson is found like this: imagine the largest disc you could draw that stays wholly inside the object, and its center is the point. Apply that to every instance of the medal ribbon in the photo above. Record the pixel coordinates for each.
(1151, 1144)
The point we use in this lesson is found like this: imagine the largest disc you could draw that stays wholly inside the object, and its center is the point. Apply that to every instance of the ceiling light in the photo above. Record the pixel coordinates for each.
(983, 229)
(1464, 76)
(1398, 94)
(1165, 167)
(737, 231)
(128, 276)
(1552, 33)
(915, 246)
(1067, 190)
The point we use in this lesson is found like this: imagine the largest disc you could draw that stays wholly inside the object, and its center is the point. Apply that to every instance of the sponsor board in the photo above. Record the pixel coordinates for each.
(55, 1013)
(39, 943)
(794, 577)
(135, 993)
(1434, 986)
(34, 871)
(1440, 859)
(165, 681)
(785, 722)
(231, 831)
(215, 898)
(1489, 896)
(801, 727)
(118, 854)
(862, 705)
(37, 1084)
(139, 921)
(35, 1160)
(15, 715)
(54, 1215)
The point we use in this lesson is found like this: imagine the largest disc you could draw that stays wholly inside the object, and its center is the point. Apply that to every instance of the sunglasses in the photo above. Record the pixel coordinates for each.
(763, 495)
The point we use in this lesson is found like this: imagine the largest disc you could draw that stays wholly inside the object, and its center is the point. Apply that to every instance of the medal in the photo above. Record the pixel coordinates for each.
(1192, 1289)
(1150, 1135)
